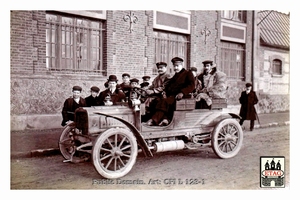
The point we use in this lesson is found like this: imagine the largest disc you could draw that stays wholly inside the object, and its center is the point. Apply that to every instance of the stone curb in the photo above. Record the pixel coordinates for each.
(56, 151)
(272, 124)
(36, 153)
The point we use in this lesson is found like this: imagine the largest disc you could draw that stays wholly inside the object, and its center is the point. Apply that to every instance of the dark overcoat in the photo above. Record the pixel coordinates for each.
(117, 96)
(181, 82)
(247, 101)
(126, 88)
(92, 101)
(69, 108)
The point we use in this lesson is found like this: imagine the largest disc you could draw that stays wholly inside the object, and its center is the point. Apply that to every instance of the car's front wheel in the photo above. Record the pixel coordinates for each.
(114, 153)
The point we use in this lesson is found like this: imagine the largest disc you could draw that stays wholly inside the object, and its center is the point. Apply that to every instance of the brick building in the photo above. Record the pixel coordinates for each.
(53, 50)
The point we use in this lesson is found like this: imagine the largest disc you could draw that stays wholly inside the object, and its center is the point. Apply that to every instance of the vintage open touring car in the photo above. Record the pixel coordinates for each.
(112, 136)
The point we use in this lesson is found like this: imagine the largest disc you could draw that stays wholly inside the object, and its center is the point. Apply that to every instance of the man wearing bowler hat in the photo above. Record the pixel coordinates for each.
(247, 100)
(112, 92)
(71, 104)
(93, 99)
(214, 85)
(180, 85)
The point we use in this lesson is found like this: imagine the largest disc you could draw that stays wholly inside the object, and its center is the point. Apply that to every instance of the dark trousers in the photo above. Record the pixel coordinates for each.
(202, 105)
(164, 109)
(251, 123)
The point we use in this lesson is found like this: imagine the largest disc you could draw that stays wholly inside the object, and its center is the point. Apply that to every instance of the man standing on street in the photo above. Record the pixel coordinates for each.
(247, 100)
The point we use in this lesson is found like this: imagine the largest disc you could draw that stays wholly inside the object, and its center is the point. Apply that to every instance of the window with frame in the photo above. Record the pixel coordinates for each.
(277, 67)
(74, 44)
(232, 60)
(235, 15)
(169, 45)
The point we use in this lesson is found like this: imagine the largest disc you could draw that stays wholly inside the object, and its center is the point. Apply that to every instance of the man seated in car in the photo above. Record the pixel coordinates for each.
(198, 84)
(180, 85)
(71, 104)
(156, 90)
(125, 85)
(93, 99)
(214, 85)
(146, 79)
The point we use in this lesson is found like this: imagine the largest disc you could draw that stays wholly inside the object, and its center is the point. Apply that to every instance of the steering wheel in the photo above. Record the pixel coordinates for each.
(140, 91)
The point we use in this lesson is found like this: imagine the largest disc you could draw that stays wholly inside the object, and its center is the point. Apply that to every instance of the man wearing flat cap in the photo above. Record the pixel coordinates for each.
(112, 93)
(125, 85)
(93, 99)
(180, 85)
(176, 59)
(155, 90)
(146, 79)
(71, 104)
(247, 100)
(145, 82)
(157, 86)
(214, 85)
(134, 82)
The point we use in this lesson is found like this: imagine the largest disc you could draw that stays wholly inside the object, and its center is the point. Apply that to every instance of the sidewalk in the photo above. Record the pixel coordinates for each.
(30, 143)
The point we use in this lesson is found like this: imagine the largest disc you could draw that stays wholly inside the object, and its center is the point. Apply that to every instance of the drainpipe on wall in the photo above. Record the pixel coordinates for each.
(255, 40)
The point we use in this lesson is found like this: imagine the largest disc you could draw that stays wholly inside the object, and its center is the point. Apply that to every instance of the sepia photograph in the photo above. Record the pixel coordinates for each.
(185, 99)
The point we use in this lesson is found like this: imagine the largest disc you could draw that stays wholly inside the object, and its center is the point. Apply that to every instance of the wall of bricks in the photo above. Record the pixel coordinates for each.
(36, 91)
(203, 47)
(128, 46)
(28, 49)
(21, 39)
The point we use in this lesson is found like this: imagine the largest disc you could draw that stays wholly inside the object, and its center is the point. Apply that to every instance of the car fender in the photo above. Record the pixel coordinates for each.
(234, 115)
(135, 132)
(223, 116)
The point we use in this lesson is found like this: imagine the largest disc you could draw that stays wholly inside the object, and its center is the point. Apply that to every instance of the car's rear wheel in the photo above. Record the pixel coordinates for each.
(114, 152)
(68, 144)
(227, 138)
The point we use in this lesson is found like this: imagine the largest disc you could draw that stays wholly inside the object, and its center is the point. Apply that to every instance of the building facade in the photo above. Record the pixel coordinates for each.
(53, 50)
(272, 75)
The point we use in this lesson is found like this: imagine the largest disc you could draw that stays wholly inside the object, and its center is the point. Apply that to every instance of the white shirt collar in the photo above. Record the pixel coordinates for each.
(77, 100)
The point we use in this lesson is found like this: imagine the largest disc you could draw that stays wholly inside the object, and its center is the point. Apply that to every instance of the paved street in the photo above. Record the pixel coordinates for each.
(29, 142)
(188, 169)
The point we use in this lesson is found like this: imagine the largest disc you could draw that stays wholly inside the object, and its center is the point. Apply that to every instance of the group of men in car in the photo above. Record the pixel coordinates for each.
(209, 84)
(162, 93)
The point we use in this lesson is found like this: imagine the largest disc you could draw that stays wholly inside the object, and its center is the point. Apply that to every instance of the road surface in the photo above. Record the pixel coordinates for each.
(185, 169)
